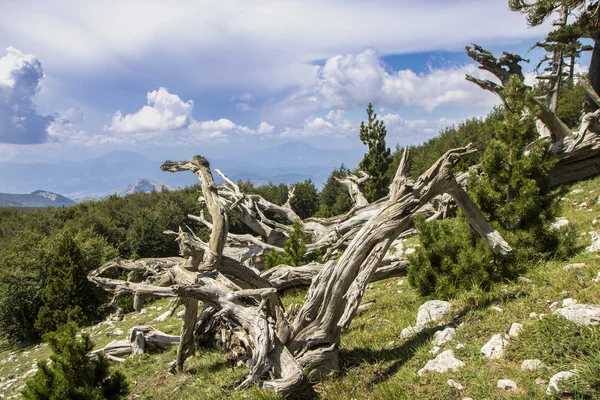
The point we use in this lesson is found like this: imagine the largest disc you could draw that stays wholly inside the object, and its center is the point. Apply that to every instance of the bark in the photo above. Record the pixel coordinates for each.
(578, 153)
(594, 75)
(353, 183)
(307, 336)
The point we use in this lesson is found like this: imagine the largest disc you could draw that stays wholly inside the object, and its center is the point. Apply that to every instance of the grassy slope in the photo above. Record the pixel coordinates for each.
(376, 363)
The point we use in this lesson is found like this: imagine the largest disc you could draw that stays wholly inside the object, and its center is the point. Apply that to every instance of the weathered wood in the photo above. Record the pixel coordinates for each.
(353, 183)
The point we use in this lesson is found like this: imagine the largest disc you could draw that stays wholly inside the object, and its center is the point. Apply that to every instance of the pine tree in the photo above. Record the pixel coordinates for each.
(377, 159)
(72, 374)
(513, 190)
(294, 251)
(68, 295)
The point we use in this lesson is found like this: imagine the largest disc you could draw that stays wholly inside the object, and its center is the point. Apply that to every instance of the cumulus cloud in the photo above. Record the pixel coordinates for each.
(333, 124)
(350, 80)
(20, 77)
(165, 111)
(413, 131)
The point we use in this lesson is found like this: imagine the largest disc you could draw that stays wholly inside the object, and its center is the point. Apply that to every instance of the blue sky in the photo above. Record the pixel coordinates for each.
(81, 78)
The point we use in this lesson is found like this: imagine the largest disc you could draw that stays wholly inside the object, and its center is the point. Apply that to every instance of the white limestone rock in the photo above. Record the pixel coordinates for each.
(162, 317)
(514, 330)
(431, 312)
(559, 223)
(574, 267)
(532, 365)
(440, 338)
(557, 379)
(569, 302)
(581, 314)
(595, 246)
(434, 350)
(506, 384)
(455, 385)
(443, 363)
(494, 349)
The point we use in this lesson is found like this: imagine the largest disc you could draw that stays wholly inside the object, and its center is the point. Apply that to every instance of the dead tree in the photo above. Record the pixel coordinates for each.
(306, 339)
(578, 152)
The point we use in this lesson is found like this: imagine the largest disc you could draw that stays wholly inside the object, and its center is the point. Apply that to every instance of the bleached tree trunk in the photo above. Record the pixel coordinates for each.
(308, 336)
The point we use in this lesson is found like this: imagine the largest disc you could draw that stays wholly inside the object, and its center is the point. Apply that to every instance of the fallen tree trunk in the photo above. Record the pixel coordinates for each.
(306, 338)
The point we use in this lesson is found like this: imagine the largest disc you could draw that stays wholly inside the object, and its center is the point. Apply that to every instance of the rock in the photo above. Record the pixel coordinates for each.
(467, 398)
(494, 349)
(559, 223)
(460, 346)
(597, 278)
(455, 385)
(440, 338)
(584, 205)
(554, 305)
(409, 332)
(409, 251)
(569, 302)
(143, 311)
(540, 381)
(506, 384)
(514, 330)
(533, 315)
(12, 358)
(532, 365)
(557, 379)
(444, 362)
(581, 314)
(595, 246)
(29, 373)
(117, 332)
(180, 314)
(434, 350)
(576, 191)
(574, 267)
(431, 312)
(524, 279)
(497, 309)
(401, 282)
(162, 317)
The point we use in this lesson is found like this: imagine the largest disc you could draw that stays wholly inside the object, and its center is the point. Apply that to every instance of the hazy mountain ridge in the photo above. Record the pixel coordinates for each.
(143, 185)
(38, 198)
(112, 172)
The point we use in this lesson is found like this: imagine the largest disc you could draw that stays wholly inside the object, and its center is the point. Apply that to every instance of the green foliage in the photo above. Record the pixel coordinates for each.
(68, 295)
(334, 198)
(513, 193)
(451, 258)
(513, 190)
(570, 104)
(475, 130)
(22, 279)
(277, 194)
(306, 199)
(377, 159)
(72, 374)
(294, 252)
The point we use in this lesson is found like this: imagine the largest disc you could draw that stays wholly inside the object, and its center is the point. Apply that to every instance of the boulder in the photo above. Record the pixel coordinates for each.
(514, 330)
(443, 363)
(440, 338)
(574, 267)
(559, 223)
(506, 384)
(455, 385)
(581, 314)
(532, 365)
(431, 312)
(494, 349)
(557, 379)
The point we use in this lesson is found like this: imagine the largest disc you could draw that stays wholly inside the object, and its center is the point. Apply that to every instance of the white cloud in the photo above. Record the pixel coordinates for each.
(333, 125)
(244, 107)
(414, 131)
(245, 97)
(164, 111)
(351, 80)
(20, 77)
(264, 128)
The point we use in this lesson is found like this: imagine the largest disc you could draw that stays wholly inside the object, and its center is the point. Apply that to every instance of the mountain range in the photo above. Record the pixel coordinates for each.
(112, 172)
(39, 198)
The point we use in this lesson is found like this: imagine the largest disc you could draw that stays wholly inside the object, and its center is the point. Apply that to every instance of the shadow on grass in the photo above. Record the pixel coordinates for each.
(399, 355)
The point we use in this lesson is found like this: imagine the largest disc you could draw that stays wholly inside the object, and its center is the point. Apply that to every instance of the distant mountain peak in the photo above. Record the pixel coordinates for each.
(38, 198)
(142, 185)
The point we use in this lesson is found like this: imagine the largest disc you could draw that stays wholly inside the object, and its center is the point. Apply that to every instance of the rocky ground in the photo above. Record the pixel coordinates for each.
(532, 338)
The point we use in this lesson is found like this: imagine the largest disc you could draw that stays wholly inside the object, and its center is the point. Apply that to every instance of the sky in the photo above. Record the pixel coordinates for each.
(80, 78)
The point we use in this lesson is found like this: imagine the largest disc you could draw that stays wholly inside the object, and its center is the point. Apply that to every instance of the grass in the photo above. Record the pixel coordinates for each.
(377, 364)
